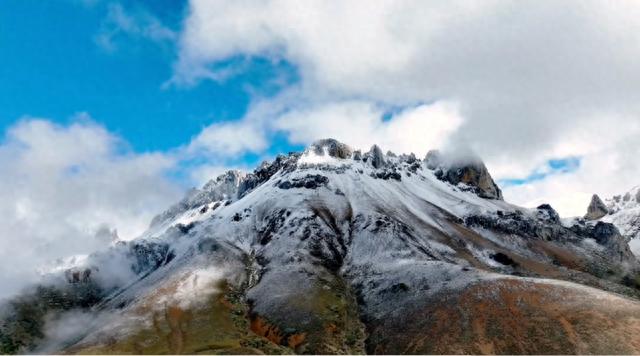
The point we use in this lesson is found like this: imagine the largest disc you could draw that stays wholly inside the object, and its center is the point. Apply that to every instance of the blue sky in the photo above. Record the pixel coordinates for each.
(62, 58)
(550, 168)
(114, 60)
(54, 66)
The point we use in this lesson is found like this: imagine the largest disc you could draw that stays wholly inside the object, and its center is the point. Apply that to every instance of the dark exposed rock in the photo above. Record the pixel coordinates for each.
(606, 234)
(310, 181)
(78, 275)
(516, 223)
(185, 228)
(357, 155)
(266, 171)
(399, 287)
(377, 157)
(410, 158)
(272, 226)
(546, 212)
(470, 171)
(596, 209)
(332, 147)
(388, 174)
(503, 259)
(638, 196)
(149, 255)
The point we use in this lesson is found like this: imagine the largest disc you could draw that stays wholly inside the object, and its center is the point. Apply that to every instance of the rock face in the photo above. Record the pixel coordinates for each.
(547, 212)
(352, 254)
(332, 147)
(376, 157)
(470, 171)
(596, 208)
(624, 213)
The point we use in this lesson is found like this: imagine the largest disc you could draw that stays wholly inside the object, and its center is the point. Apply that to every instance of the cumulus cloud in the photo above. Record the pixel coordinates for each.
(362, 124)
(533, 80)
(609, 167)
(229, 138)
(62, 187)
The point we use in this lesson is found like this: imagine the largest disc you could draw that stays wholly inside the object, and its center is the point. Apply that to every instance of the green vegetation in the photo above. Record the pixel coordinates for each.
(326, 317)
(217, 326)
(23, 320)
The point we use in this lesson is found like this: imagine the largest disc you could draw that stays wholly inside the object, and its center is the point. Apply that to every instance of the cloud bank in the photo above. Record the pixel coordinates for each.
(67, 189)
(531, 81)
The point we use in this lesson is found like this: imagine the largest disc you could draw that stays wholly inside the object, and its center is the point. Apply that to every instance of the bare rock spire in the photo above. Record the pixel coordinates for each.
(596, 208)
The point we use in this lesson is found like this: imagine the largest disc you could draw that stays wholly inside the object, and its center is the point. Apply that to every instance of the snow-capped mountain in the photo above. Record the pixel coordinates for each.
(334, 250)
(623, 211)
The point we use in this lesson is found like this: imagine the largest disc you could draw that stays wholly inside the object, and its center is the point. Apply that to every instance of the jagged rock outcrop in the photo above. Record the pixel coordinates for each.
(546, 212)
(470, 171)
(624, 212)
(332, 147)
(224, 187)
(596, 208)
(376, 157)
(607, 235)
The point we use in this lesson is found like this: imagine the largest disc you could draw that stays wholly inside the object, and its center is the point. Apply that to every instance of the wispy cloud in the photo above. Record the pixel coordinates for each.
(120, 23)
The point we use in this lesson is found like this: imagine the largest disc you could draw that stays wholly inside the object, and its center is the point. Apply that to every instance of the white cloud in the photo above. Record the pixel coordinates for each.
(416, 129)
(533, 80)
(140, 24)
(229, 138)
(609, 166)
(62, 185)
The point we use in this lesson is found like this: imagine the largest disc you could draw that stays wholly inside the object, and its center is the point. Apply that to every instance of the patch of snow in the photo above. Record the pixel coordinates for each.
(634, 245)
(309, 157)
(197, 286)
(63, 264)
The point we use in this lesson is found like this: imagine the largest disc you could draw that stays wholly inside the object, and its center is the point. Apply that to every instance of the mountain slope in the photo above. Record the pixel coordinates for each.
(624, 212)
(338, 251)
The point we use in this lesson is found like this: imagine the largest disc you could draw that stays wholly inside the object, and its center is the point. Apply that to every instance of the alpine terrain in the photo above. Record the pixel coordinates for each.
(335, 251)
(621, 210)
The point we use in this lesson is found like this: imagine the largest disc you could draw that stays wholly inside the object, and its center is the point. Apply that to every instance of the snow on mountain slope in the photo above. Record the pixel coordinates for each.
(624, 213)
(339, 251)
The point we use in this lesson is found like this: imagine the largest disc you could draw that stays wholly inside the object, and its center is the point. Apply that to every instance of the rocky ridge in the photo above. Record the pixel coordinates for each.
(623, 211)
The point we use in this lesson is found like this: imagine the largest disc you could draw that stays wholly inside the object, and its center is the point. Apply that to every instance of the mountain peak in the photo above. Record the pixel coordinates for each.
(377, 157)
(331, 147)
(467, 169)
(596, 208)
(378, 244)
